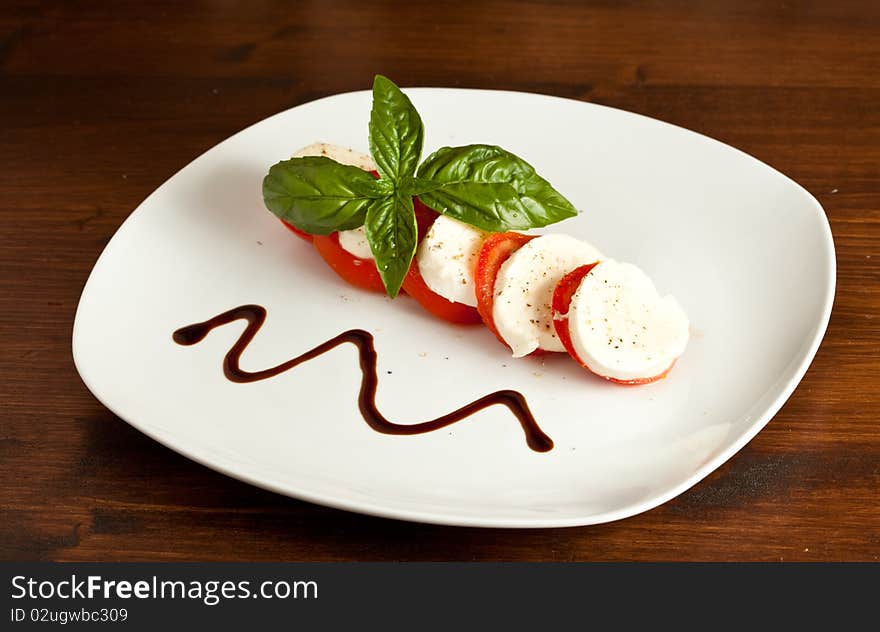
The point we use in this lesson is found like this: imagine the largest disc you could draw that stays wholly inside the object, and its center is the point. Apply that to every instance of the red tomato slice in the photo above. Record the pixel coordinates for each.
(562, 296)
(565, 289)
(359, 272)
(296, 231)
(435, 304)
(424, 217)
(495, 251)
(415, 285)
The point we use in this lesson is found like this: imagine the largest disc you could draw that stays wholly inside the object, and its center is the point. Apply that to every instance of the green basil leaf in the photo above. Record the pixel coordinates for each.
(392, 234)
(396, 131)
(418, 186)
(490, 188)
(319, 195)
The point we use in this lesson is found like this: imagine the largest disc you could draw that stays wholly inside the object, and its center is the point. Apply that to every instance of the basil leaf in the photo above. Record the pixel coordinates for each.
(418, 186)
(396, 131)
(319, 195)
(392, 234)
(490, 188)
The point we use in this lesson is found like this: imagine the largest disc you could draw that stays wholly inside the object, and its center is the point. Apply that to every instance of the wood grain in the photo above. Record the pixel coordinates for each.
(101, 102)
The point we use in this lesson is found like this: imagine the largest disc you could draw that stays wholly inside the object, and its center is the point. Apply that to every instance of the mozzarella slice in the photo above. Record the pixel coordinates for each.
(524, 290)
(340, 154)
(447, 257)
(354, 241)
(621, 327)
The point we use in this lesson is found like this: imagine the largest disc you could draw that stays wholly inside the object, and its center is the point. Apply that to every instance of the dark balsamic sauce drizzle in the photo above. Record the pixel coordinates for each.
(255, 315)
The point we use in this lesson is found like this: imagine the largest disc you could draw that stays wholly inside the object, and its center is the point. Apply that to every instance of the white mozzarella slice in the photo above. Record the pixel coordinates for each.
(340, 154)
(524, 290)
(621, 327)
(447, 257)
(354, 241)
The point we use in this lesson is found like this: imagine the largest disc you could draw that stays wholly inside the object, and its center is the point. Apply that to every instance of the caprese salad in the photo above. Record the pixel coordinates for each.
(450, 233)
(536, 293)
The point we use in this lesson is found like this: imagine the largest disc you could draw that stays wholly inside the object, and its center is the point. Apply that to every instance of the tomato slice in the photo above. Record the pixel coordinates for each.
(358, 272)
(415, 285)
(495, 251)
(424, 217)
(562, 296)
(439, 306)
(296, 231)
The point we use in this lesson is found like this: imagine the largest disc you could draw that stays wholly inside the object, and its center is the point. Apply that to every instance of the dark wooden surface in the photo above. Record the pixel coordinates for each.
(101, 102)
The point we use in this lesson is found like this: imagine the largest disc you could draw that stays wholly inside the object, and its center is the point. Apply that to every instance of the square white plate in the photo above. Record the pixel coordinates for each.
(745, 250)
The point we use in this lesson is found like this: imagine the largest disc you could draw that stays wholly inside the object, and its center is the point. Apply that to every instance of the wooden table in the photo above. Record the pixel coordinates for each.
(100, 104)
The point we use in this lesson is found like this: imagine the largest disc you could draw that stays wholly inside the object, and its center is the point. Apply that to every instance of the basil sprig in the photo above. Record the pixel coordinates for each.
(482, 185)
(396, 134)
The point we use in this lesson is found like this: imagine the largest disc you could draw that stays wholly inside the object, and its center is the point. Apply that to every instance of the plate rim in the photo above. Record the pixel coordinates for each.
(448, 518)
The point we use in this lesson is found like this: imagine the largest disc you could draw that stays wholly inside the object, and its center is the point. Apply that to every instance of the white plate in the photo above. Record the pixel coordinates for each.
(746, 251)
